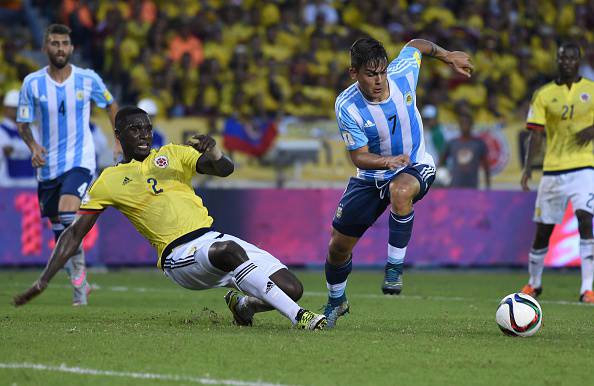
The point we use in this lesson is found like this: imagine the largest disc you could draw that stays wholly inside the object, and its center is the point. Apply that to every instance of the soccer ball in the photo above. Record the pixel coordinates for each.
(519, 315)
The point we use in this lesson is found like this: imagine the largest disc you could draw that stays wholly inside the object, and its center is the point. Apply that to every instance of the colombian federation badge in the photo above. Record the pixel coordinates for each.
(161, 162)
(585, 97)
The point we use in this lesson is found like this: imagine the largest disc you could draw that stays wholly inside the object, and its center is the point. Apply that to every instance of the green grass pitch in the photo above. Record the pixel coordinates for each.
(141, 329)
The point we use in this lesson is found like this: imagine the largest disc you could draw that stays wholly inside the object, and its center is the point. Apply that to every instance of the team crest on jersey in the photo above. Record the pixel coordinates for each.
(80, 95)
(24, 112)
(161, 162)
(338, 212)
(585, 97)
(408, 98)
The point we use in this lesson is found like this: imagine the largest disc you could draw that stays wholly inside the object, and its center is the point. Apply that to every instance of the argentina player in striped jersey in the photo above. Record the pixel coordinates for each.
(381, 126)
(58, 97)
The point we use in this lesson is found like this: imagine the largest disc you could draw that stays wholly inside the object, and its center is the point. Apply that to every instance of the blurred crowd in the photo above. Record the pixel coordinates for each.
(290, 57)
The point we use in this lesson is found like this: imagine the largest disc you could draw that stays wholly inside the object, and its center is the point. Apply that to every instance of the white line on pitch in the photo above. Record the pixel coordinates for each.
(124, 374)
(318, 294)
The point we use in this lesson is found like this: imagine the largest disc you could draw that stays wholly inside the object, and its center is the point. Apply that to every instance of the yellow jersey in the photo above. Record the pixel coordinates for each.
(156, 195)
(562, 112)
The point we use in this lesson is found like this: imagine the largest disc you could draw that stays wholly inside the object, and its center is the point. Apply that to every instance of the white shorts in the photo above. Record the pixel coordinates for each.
(188, 264)
(556, 191)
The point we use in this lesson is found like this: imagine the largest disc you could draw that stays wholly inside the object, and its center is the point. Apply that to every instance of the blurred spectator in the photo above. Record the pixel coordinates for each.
(15, 158)
(322, 8)
(465, 155)
(186, 42)
(433, 131)
(587, 66)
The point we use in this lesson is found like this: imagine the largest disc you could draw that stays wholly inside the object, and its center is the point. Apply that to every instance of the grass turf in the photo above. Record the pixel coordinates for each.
(440, 331)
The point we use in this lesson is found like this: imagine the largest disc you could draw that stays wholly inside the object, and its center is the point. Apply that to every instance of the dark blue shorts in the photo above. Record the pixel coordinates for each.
(364, 201)
(75, 181)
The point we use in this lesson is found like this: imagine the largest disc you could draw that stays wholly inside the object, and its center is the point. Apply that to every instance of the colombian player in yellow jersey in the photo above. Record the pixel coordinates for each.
(563, 110)
(152, 188)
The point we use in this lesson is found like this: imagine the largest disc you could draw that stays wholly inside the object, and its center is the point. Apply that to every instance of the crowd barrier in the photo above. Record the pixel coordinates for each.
(452, 228)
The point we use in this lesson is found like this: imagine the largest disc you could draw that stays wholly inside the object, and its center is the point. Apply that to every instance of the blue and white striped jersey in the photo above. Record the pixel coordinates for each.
(389, 127)
(62, 111)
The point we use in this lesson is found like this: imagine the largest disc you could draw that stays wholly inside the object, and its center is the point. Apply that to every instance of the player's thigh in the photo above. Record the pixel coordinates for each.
(417, 179)
(48, 194)
(75, 183)
(360, 205)
(580, 188)
(189, 264)
(551, 200)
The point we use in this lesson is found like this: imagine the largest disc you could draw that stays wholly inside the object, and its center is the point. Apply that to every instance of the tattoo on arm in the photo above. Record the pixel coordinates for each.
(25, 133)
(433, 49)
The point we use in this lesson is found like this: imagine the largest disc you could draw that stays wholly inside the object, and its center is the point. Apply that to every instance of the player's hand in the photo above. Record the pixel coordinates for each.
(524, 181)
(25, 297)
(202, 143)
(583, 137)
(38, 153)
(460, 63)
(397, 161)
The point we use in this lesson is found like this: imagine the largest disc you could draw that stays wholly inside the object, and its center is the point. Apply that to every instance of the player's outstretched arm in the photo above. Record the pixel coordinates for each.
(67, 245)
(458, 60)
(212, 161)
(363, 159)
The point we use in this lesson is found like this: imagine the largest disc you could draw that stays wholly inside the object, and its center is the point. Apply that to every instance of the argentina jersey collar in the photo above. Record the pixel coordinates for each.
(66, 81)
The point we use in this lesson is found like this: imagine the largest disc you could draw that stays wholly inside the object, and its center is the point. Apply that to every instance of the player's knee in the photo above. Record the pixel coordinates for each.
(227, 255)
(584, 223)
(401, 197)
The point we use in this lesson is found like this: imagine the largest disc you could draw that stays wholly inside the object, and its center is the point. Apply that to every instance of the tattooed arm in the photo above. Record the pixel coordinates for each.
(458, 60)
(37, 151)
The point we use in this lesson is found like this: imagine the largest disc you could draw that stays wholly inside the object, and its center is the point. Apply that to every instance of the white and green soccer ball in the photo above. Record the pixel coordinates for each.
(519, 314)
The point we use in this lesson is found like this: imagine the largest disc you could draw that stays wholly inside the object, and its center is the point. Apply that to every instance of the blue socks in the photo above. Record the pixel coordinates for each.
(336, 280)
(400, 232)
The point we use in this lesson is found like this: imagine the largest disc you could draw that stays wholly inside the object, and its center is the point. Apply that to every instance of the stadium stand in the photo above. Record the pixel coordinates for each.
(284, 58)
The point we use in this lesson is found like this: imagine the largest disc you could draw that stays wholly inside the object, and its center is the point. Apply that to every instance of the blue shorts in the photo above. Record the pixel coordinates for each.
(364, 201)
(75, 181)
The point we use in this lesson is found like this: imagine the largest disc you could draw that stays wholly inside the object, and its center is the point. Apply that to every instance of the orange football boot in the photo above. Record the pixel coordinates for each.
(531, 291)
(587, 297)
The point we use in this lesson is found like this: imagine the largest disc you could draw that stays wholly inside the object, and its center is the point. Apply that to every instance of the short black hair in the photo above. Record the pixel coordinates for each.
(58, 29)
(124, 114)
(367, 51)
(570, 45)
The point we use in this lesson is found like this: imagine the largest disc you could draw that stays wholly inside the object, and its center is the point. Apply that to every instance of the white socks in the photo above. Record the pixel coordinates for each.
(586, 255)
(252, 280)
(536, 265)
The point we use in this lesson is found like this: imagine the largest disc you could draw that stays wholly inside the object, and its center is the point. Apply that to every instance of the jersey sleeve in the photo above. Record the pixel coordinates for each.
(188, 156)
(536, 114)
(408, 61)
(97, 198)
(99, 93)
(350, 131)
(26, 108)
